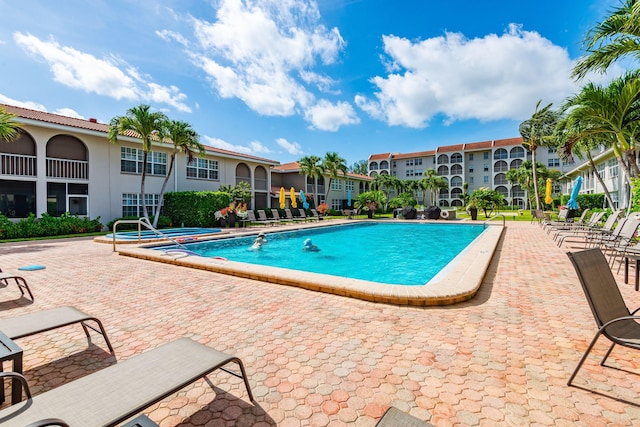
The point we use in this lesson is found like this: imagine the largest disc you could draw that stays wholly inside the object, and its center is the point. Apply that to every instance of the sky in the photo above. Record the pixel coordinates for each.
(282, 79)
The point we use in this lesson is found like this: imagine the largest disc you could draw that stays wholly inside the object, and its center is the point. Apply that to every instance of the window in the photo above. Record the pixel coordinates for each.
(409, 172)
(471, 156)
(373, 166)
(442, 159)
(517, 152)
(418, 162)
(349, 185)
(470, 180)
(66, 197)
(456, 158)
(418, 172)
(470, 168)
(486, 155)
(553, 163)
(456, 170)
(456, 181)
(486, 179)
(336, 184)
(613, 168)
(500, 154)
(336, 205)
(203, 169)
(485, 167)
(131, 161)
(602, 170)
(132, 204)
(408, 162)
(17, 198)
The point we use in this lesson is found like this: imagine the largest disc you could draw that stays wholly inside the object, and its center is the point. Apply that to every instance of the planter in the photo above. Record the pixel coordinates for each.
(231, 220)
(474, 213)
(370, 213)
(223, 222)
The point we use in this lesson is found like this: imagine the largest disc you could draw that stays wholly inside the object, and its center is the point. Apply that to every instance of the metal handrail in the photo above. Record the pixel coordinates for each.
(141, 222)
(504, 218)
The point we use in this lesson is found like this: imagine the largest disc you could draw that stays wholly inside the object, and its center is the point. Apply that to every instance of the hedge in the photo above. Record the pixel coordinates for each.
(194, 208)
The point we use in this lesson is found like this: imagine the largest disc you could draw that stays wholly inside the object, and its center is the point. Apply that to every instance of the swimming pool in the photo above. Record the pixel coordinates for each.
(458, 281)
(383, 252)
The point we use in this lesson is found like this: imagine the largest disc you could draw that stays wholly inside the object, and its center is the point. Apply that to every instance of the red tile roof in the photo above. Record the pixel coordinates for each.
(507, 141)
(414, 155)
(484, 145)
(383, 156)
(450, 148)
(92, 125)
(295, 166)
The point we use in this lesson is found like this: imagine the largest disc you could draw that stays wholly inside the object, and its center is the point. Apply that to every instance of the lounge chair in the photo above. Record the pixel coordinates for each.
(292, 218)
(613, 318)
(394, 417)
(315, 215)
(262, 218)
(112, 395)
(277, 218)
(587, 234)
(46, 320)
(20, 281)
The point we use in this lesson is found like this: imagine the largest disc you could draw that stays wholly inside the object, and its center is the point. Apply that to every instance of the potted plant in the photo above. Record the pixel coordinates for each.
(323, 209)
(241, 213)
(221, 216)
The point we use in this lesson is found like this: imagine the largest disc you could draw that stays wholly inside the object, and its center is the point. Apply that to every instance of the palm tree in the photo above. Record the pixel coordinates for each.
(331, 165)
(434, 184)
(184, 139)
(612, 115)
(536, 132)
(9, 128)
(615, 37)
(569, 128)
(144, 124)
(310, 167)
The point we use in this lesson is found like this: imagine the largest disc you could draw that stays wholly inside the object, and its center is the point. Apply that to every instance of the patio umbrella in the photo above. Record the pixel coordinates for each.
(292, 195)
(305, 204)
(547, 198)
(282, 198)
(573, 200)
(349, 197)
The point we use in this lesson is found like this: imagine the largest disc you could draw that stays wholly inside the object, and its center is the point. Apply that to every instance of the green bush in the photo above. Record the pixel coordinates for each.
(585, 201)
(194, 208)
(47, 225)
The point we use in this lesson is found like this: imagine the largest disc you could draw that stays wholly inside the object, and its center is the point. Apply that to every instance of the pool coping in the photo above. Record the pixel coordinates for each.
(458, 282)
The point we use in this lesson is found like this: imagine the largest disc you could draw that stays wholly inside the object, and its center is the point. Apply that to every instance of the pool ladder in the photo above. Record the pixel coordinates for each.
(143, 222)
(497, 215)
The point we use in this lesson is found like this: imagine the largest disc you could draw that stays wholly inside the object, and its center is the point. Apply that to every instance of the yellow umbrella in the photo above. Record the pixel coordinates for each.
(547, 198)
(282, 198)
(292, 195)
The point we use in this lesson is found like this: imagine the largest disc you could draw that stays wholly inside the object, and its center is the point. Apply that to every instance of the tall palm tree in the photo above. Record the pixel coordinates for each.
(569, 128)
(142, 123)
(536, 132)
(434, 183)
(186, 140)
(9, 128)
(611, 114)
(310, 167)
(615, 37)
(331, 165)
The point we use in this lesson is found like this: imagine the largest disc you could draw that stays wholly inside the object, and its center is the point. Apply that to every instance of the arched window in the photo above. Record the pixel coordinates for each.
(503, 190)
(261, 179)
(456, 193)
(456, 158)
(373, 166)
(443, 159)
(444, 194)
(517, 153)
(384, 164)
(500, 166)
(243, 173)
(517, 191)
(500, 153)
(372, 174)
(456, 181)
(457, 202)
(443, 170)
(515, 164)
(443, 203)
(500, 179)
(456, 170)
(67, 157)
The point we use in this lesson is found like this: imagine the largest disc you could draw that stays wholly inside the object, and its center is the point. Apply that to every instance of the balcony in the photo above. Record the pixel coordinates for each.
(65, 168)
(17, 165)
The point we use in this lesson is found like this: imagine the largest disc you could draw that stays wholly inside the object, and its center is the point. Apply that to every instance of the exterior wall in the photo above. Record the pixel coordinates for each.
(105, 180)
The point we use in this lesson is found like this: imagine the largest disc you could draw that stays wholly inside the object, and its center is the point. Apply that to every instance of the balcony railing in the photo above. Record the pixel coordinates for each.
(17, 165)
(65, 168)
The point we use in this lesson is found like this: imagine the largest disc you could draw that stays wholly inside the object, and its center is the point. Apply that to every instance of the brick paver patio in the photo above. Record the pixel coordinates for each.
(315, 359)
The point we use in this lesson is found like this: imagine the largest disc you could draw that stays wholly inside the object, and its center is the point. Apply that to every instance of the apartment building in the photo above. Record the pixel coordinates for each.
(478, 164)
(62, 164)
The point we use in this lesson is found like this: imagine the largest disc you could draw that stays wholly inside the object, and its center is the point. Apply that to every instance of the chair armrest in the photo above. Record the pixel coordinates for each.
(619, 319)
(48, 422)
(19, 377)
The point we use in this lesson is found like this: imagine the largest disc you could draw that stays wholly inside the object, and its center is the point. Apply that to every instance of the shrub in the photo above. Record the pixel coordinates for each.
(47, 225)
(195, 208)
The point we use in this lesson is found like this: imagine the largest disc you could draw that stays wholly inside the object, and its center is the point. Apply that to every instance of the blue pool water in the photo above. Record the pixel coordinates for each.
(392, 253)
(170, 232)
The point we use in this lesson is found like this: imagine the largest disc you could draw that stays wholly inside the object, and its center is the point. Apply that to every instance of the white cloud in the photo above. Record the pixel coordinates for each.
(168, 35)
(327, 116)
(254, 147)
(107, 77)
(68, 112)
(290, 147)
(489, 78)
(262, 52)
(323, 83)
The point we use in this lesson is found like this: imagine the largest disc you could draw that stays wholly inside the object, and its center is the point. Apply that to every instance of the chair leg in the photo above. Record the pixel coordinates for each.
(584, 357)
(607, 354)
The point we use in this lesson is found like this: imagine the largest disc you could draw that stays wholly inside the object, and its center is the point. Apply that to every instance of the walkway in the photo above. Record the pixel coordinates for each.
(324, 360)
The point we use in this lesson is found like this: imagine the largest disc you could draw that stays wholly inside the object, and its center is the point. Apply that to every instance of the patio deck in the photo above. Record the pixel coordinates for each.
(317, 359)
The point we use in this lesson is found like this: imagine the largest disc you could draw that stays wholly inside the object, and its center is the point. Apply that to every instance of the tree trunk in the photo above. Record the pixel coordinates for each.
(156, 214)
(142, 180)
(600, 180)
(535, 177)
